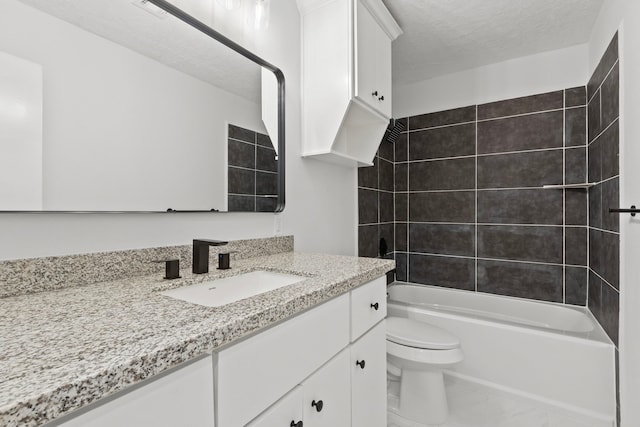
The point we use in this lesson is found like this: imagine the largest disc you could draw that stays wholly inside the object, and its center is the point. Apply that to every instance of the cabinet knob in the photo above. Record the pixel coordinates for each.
(375, 93)
(318, 405)
(295, 424)
(375, 306)
(360, 363)
(381, 98)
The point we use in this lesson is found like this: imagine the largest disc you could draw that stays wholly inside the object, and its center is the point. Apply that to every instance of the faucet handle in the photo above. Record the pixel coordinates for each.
(171, 269)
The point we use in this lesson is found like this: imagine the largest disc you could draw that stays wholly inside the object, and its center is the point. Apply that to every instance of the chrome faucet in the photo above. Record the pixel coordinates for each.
(201, 254)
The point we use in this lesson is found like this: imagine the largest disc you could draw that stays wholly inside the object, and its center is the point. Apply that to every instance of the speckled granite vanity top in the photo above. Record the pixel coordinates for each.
(65, 348)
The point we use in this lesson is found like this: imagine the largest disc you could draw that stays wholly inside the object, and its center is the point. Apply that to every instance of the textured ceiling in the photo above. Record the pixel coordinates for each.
(445, 36)
(166, 40)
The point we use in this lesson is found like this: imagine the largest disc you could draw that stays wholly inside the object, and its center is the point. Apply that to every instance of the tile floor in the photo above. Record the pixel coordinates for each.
(473, 405)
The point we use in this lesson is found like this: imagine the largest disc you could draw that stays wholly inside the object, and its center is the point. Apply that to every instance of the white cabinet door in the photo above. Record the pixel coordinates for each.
(365, 60)
(327, 394)
(369, 379)
(372, 62)
(286, 412)
(182, 398)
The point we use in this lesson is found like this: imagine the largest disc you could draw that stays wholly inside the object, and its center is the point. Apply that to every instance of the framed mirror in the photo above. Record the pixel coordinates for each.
(134, 106)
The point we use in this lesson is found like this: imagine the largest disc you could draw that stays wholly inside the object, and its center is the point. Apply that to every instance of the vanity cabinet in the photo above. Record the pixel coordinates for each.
(346, 78)
(182, 397)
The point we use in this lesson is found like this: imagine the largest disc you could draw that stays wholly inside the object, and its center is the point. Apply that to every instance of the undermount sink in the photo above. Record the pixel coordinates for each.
(218, 292)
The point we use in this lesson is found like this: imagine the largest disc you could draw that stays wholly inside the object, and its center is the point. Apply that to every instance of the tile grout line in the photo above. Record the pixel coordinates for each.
(407, 264)
(602, 132)
(499, 153)
(604, 79)
(564, 191)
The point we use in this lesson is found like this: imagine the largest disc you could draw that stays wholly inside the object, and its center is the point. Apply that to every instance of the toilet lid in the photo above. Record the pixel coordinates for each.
(413, 333)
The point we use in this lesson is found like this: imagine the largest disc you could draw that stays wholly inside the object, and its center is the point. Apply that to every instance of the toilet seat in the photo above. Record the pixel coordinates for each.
(412, 333)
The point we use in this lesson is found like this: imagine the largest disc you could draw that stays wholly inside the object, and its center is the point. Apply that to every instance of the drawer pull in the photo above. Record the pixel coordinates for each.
(375, 306)
(318, 405)
(374, 93)
(360, 363)
(381, 98)
(295, 424)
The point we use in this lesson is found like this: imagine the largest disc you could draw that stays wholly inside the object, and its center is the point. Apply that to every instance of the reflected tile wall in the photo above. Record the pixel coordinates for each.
(252, 171)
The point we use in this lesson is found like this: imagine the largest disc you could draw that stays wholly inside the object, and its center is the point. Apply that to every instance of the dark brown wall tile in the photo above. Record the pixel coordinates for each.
(402, 207)
(266, 159)
(533, 281)
(610, 252)
(442, 118)
(538, 244)
(367, 206)
(532, 169)
(241, 181)
(596, 256)
(241, 154)
(449, 272)
(264, 140)
(610, 312)
(266, 183)
(402, 147)
(610, 142)
(610, 199)
(595, 119)
(611, 97)
(576, 246)
(575, 165)
(401, 174)
(386, 206)
(401, 236)
(456, 206)
(526, 104)
(595, 160)
(520, 207)
(368, 175)
(576, 280)
(242, 134)
(386, 150)
(607, 61)
(401, 267)
(453, 174)
(595, 206)
(368, 241)
(575, 206)
(387, 232)
(450, 141)
(266, 204)
(535, 131)
(386, 179)
(575, 96)
(241, 203)
(575, 127)
(443, 239)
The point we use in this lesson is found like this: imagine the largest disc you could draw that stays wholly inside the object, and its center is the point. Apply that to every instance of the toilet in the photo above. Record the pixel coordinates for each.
(417, 353)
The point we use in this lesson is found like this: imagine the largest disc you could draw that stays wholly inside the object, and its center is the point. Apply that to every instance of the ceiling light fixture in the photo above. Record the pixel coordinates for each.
(259, 15)
(151, 8)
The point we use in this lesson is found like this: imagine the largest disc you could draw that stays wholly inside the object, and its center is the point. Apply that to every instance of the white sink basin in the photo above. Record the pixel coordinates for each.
(215, 293)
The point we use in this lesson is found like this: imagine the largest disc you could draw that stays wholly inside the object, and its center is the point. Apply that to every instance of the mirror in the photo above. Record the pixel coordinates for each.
(134, 106)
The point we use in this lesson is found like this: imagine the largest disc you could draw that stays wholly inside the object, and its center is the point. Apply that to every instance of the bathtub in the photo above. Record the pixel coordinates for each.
(554, 354)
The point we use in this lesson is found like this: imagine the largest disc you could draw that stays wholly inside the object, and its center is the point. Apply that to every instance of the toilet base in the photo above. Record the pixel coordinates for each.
(422, 398)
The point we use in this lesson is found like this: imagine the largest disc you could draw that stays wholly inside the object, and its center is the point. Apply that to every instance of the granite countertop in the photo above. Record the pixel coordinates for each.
(62, 349)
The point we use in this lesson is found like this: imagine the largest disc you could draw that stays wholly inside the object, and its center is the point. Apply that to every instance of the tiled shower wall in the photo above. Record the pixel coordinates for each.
(252, 169)
(604, 236)
(471, 212)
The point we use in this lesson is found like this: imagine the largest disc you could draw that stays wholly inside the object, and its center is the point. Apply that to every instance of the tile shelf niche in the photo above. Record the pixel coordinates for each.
(584, 185)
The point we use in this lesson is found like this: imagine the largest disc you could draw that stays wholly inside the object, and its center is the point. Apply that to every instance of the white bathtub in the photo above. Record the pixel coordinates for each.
(555, 354)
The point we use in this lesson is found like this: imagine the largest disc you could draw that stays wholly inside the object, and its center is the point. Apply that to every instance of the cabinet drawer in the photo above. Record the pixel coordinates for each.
(369, 379)
(283, 413)
(368, 306)
(327, 394)
(255, 373)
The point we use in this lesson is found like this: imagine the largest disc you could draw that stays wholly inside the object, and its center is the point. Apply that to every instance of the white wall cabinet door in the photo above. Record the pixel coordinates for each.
(327, 394)
(286, 412)
(373, 62)
(182, 398)
(369, 379)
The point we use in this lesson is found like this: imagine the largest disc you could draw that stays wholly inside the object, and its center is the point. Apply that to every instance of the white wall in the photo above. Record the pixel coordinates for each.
(321, 198)
(540, 73)
(624, 15)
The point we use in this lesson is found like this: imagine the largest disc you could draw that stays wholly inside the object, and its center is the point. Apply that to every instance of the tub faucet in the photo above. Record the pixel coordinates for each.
(201, 254)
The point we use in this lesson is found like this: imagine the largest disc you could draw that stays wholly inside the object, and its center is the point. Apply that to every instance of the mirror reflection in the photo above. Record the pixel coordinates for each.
(115, 106)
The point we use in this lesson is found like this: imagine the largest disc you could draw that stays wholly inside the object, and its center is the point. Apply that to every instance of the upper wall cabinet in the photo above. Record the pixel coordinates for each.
(346, 78)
